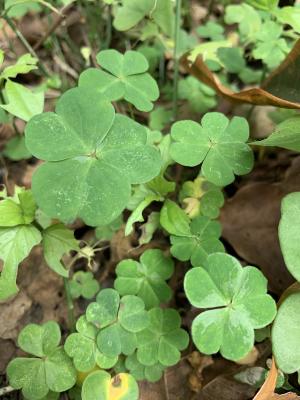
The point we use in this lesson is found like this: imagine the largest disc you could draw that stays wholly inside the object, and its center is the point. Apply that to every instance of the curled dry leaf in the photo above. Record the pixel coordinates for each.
(279, 90)
(266, 392)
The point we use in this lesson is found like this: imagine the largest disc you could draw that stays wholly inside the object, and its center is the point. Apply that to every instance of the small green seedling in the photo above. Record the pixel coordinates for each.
(83, 284)
(147, 278)
(50, 369)
(237, 303)
(217, 144)
(193, 240)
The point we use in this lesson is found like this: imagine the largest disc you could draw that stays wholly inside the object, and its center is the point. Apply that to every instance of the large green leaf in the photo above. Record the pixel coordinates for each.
(238, 303)
(286, 335)
(15, 245)
(217, 143)
(289, 233)
(92, 158)
(58, 241)
(53, 370)
(122, 76)
(146, 278)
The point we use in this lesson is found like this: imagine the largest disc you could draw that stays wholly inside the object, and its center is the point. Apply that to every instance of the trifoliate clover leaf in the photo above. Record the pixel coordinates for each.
(141, 372)
(211, 30)
(119, 320)
(91, 156)
(15, 244)
(83, 284)
(238, 302)
(163, 340)
(57, 241)
(217, 143)
(201, 197)
(202, 241)
(147, 278)
(200, 97)
(82, 347)
(286, 335)
(270, 48)
(50, 370)
(122, 76)
(101, 386)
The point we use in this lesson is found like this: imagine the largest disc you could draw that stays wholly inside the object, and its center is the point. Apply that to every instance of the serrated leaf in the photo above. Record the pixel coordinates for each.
(240, 296)
(53, 371)
(58, 241)
(122, 76)
(286, 335)
(91, 156)
(101, 386)
(15, 245)
(163, 340)
(24, 64)
(146, 278)
(217, 143)
(22, 102)
(289, 233)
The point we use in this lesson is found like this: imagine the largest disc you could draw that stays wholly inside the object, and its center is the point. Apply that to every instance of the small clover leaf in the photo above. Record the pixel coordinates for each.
(58, 241)
(211, 30)
(217, 143)
(119, 320)
(101, 386)
(146, 278)
(200, 97)
(82, 347)
(202, 241)
(50, 370)
(201, 197)
(91, 156)
(140, 372)
(126, 77)
(238, 301)
(163, 340)
(83, 284)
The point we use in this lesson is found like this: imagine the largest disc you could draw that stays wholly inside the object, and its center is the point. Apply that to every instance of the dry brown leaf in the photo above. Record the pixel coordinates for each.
(278, 90)
(266, 392)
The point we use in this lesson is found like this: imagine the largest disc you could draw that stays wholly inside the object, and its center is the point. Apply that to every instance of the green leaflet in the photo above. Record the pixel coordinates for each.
(92, 158)
(200, 97)
(217, 144)
(146, 278)
(211, 30)
(100, 386)
(83, 284)
(246, 17)
(163, 340)
(24, 64)
(15, 245)
(58, 241)
(122, 76)
(286, 335)
(289, 233)
(286, 135)
(174, 220)
(50, 369)
(139, 371)
(16, 150)
(238, 301)
(22, 102)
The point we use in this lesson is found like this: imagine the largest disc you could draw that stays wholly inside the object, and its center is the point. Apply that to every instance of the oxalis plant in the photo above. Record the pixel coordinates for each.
(96, 162)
